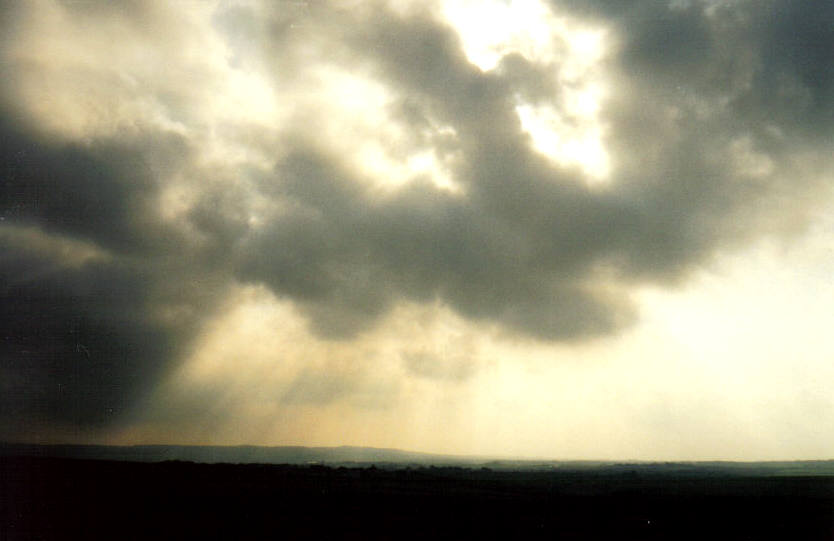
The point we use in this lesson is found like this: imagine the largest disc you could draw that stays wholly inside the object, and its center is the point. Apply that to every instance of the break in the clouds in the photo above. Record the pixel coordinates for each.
(523, 166)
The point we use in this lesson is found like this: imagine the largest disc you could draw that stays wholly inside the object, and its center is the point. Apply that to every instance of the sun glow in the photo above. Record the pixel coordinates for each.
(357, 119)
(491, 29)
(566, 127)
(564, 144)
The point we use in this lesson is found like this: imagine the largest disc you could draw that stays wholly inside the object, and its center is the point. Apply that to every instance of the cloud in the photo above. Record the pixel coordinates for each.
(525, 243)
(95, 307)
(351, 160)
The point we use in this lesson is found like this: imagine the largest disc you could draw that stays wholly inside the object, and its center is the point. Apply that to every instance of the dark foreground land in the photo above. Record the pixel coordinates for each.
(53, 498)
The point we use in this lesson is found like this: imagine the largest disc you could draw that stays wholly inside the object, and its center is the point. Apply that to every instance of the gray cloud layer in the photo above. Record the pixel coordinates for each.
(717, 120)
(85, 278)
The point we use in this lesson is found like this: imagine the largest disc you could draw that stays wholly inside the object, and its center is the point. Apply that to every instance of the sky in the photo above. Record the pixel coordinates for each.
(568, 229)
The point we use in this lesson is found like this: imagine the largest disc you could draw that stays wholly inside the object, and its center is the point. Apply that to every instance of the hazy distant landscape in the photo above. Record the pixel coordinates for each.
(352, 456)
(99, 492)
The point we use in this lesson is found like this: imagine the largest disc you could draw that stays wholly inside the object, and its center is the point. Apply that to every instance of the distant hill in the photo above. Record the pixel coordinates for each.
(366, 456)
(244, 454)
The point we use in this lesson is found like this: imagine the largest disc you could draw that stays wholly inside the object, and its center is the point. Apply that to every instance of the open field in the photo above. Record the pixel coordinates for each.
(58, 498)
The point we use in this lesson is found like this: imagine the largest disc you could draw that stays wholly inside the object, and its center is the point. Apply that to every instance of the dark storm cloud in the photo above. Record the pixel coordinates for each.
(347, 255)
(767, 57)
(524, 246)
(93, 191)
(694, 81)
(516, 249)
(78, 344)
(85, 337)
(699, 92)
